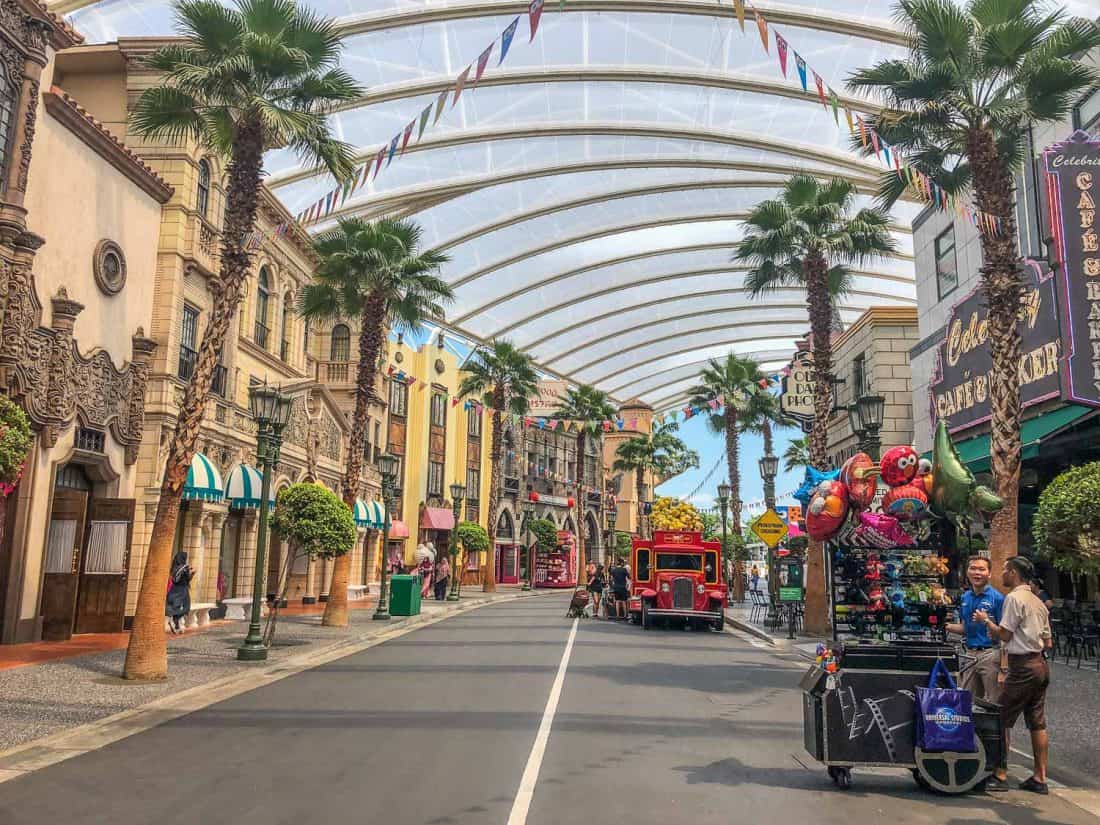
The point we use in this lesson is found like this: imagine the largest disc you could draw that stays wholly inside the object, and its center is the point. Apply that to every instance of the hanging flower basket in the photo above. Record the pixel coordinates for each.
(15, 443)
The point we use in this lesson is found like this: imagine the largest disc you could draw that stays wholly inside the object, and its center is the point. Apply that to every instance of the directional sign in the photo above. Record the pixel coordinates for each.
(770, 528)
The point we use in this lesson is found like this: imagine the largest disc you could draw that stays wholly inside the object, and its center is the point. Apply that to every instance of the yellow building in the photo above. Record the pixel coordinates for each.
(637, 419)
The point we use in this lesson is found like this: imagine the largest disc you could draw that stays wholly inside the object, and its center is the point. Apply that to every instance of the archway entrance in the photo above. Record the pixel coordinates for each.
(507, 553)
(591, 539)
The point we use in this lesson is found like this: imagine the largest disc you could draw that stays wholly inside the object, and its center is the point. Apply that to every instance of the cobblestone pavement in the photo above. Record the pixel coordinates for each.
(51, 697)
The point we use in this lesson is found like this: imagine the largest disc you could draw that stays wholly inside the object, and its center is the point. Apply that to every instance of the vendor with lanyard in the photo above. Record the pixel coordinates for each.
(983, 680)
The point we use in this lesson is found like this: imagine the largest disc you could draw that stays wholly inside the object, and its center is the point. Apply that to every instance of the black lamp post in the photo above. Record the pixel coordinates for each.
(613, 538)
(857, 427)
(271, 410)
(723, 504)
(528, 515)
(387, 468)
(458, 492)
(769, 468)
(870, 409)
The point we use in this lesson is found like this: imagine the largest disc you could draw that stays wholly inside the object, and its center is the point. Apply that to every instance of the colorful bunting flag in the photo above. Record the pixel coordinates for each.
(534, 12)
(781, 49)
(440, 102)
(393, 149)
(848, 117)
(762, 24)
(739, 10)
(506, 39)
(460, 84)
(800, 64)
(835, 101)
(378, 161)
(820, 87)
(424, 121)
(407, 135)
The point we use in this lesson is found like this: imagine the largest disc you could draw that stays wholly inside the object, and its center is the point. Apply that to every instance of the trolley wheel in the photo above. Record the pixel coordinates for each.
(842, 777)
(720, 622)
(920, 780)
(647, 621)
(952, 773)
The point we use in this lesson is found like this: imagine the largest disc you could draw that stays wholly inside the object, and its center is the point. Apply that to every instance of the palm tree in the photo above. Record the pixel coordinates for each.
(960, 106)
(586, 405)
(797, 454)
(735, 382)
(763, 413)
(659, 451)
(376, 274)
(504, 377)
(808, 237)
(242, 80)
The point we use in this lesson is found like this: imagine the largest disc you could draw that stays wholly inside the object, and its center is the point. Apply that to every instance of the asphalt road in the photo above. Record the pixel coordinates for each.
(438, 727)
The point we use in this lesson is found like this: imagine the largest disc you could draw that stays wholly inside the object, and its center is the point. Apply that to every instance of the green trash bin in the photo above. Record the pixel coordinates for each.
(405, 595)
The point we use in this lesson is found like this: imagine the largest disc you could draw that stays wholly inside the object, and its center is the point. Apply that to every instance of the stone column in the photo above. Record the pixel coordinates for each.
(215, 524)
(372, 541)
(326, 578)
(143, 349)
(246, 556)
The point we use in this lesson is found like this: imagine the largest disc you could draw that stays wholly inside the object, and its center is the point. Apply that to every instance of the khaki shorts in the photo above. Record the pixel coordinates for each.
(1025, 691)
(981, 678)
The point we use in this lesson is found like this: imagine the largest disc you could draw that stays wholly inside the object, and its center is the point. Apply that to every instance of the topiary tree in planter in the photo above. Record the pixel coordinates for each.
(623, 544)
(15, 443)
(473, 538)
(313, 521)
(1067, 524)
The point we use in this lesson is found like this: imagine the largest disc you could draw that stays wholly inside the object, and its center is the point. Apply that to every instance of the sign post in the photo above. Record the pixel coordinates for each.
(769, 528)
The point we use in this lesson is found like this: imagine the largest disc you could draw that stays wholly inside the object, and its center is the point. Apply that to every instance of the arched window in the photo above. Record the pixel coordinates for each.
(284, 346)
(341, 343)
(202, 196)
(504, 526)
(263, 307)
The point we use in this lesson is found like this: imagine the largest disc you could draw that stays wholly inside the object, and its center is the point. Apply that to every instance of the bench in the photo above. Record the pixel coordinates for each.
(197, 616)
(356, 592)
(240, 609)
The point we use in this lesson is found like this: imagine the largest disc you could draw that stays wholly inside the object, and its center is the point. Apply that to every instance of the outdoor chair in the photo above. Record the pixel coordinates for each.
(1083, 640)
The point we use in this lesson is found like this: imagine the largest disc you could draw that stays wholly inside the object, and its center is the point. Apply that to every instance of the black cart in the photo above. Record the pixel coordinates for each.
(864, 715)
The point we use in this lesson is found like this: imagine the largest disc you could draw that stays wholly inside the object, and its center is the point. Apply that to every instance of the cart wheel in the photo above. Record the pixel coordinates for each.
(842, 777)
(720, 622)
(952, 773)
(920, 780)
(647, 622)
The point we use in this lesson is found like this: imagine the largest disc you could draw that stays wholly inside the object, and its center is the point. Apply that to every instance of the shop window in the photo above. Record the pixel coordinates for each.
(189, 336)
(377, 440)
(435, 478)
(263, 308)
(340, 346)
(399, 477)
(107, 544)
(202, 193)
(399, 398)
(218, 384)
(473, 424)
(439, 410)
(473, 484)
(284, 346)
(859, 377)
(947, 264)
(1087, 113)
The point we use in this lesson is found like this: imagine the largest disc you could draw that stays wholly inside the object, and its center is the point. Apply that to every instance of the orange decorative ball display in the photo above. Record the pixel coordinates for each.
(907, 502)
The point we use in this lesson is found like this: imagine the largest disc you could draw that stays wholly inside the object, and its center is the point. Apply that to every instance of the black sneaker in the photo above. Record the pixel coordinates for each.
(1034, 785)
(995, 785)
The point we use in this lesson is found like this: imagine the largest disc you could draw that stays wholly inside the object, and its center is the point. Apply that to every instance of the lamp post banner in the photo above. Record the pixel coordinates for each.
(1073, 190)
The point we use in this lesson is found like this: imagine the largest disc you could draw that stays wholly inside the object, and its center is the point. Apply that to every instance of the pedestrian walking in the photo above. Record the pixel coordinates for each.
(1040, 591)
(442, 578)
(754, 577)
(596, 582)
(177, 603)
(620, 587)
(1025, 629)
(984, 678)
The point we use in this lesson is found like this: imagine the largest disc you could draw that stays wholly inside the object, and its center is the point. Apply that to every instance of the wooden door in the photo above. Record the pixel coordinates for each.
(507, 564)
(105, 566)
(63, 542)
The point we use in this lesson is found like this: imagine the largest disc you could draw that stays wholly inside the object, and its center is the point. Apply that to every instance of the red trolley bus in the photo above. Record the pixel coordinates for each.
(677, 577)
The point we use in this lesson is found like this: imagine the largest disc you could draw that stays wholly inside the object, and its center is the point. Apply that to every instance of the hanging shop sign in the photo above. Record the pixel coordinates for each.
(547, 398)
(1073, 190)
(960, 386)
(796, 396)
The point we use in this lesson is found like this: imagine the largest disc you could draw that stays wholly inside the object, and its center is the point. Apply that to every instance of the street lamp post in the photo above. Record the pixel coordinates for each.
(871, 409)
(271, 410)
(387, 468)
(857, 427)
(458, 492)
(769, 468)
(528, 515)
(613, 538)
(723, 504)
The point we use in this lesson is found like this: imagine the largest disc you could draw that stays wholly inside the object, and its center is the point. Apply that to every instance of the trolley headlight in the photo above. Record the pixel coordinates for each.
(664, 587)
(700, 590)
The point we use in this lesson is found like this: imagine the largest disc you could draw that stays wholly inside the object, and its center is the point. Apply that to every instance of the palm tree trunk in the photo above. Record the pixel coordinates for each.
(1002, 283)
(489, 572)
(147, 653)
(579, 486)
(821, 317)
(371, 324)
(733, 467)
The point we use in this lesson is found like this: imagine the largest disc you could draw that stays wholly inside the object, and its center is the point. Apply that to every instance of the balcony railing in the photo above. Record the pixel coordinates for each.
(334, 372)
(511, 485)
(260, 333)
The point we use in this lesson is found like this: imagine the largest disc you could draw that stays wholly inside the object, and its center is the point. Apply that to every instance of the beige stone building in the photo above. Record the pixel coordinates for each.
(871, 357)
(638, 419)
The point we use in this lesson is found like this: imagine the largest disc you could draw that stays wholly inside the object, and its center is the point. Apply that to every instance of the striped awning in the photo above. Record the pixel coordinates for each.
(369, 514)
(243, 487)
(203, 481)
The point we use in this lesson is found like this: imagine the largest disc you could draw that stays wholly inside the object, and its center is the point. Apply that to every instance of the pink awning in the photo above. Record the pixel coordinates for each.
(398, 529)
(437, 518)
(793, 530)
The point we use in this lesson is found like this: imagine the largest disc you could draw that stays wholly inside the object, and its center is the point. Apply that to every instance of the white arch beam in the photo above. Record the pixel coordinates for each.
(633, 388)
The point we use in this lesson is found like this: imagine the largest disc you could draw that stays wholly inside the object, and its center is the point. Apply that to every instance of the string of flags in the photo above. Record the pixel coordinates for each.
(915, 180)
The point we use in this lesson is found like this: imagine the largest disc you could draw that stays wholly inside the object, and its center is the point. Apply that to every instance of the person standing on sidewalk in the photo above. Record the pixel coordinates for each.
(177, 604)
(1025, 628)
(620, 587)
(984, 678)
(442, 577)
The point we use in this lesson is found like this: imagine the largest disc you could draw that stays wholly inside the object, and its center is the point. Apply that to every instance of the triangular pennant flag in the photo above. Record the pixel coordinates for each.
(454, 403)
(800, 64)
(534, 12)
(781, 50)
(378, 160)
(762, 24)
(424, 121)
(393, 149)
(874, 141)
(739, 10)
(461, 83)
(862, 131)
(483, 61)
(506, 39)
(886, 152)
(836, 105)
(848, 117)
(820, 88)
(407, 135)
(440, 102)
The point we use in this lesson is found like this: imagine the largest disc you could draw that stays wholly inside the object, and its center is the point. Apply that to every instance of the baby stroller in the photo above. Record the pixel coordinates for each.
(577, 604)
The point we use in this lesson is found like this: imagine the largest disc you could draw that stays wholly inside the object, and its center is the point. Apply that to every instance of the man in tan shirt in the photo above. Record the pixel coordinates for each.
(1025, 627)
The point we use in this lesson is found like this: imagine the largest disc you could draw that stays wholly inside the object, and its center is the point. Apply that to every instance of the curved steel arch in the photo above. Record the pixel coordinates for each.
(593, 128)
(543, 311)
(755, 355)
(679, 397)
(669, 298)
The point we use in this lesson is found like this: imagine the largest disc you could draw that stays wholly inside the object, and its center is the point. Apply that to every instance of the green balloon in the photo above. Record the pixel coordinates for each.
(955, 491)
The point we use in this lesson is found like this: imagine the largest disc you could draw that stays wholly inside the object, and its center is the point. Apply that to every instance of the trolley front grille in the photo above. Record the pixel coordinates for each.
(682, 593)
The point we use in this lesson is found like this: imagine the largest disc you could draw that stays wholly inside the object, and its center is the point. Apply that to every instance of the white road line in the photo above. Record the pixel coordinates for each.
(522, 803)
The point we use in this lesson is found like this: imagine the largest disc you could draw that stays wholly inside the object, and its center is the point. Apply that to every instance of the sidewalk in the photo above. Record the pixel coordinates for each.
(45, 694)
(738, 616)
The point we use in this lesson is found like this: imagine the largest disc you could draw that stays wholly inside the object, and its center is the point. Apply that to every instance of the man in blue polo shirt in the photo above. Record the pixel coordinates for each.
(983, 678)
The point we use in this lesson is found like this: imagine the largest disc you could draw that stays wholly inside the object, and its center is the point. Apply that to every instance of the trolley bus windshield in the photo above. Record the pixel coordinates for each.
(679, 561)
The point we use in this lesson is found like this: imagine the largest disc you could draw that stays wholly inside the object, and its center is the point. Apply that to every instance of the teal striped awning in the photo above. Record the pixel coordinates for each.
(244, 486)
(203, 480)
(362, 513)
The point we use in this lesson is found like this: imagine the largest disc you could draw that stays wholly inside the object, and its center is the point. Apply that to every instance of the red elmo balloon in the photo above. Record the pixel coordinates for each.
(899, 465)
(827, 511)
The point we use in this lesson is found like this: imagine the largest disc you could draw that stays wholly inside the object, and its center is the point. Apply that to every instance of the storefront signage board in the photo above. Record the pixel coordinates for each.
(959, 388)
(790, 594)
(547, 398)
(1073, 192)
(796, 395)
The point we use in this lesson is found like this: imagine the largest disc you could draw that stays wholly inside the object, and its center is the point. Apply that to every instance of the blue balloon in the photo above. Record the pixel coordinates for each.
(812, 479)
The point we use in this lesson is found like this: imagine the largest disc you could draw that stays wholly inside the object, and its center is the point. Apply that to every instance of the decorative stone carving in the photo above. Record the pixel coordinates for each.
(109, 267)
(297, 428)
(29, 114)
(330, 435)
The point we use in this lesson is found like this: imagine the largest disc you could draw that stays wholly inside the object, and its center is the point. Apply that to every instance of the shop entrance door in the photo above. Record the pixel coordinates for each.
(507, 564)
(60, 581)
(104, 566)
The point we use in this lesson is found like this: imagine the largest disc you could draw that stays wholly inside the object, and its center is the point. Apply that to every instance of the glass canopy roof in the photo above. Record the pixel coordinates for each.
(590, 187)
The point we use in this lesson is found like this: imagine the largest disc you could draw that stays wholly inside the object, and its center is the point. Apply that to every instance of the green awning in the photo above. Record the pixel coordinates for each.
(975, 451)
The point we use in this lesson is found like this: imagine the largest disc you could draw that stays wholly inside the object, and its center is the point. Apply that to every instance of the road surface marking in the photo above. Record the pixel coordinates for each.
(522, 803)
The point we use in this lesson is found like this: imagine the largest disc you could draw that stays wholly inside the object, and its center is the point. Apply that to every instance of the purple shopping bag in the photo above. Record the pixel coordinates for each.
(945, 718)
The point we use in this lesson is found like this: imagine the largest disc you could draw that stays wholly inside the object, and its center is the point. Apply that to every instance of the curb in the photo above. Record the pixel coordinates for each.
(58, 747)
(753, 630)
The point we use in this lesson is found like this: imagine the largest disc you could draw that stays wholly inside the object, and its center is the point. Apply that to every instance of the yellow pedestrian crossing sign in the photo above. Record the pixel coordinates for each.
(769, 528)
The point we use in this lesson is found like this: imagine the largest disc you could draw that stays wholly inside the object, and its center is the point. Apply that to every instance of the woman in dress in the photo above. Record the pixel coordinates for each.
(178, 602)
(596, 583)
